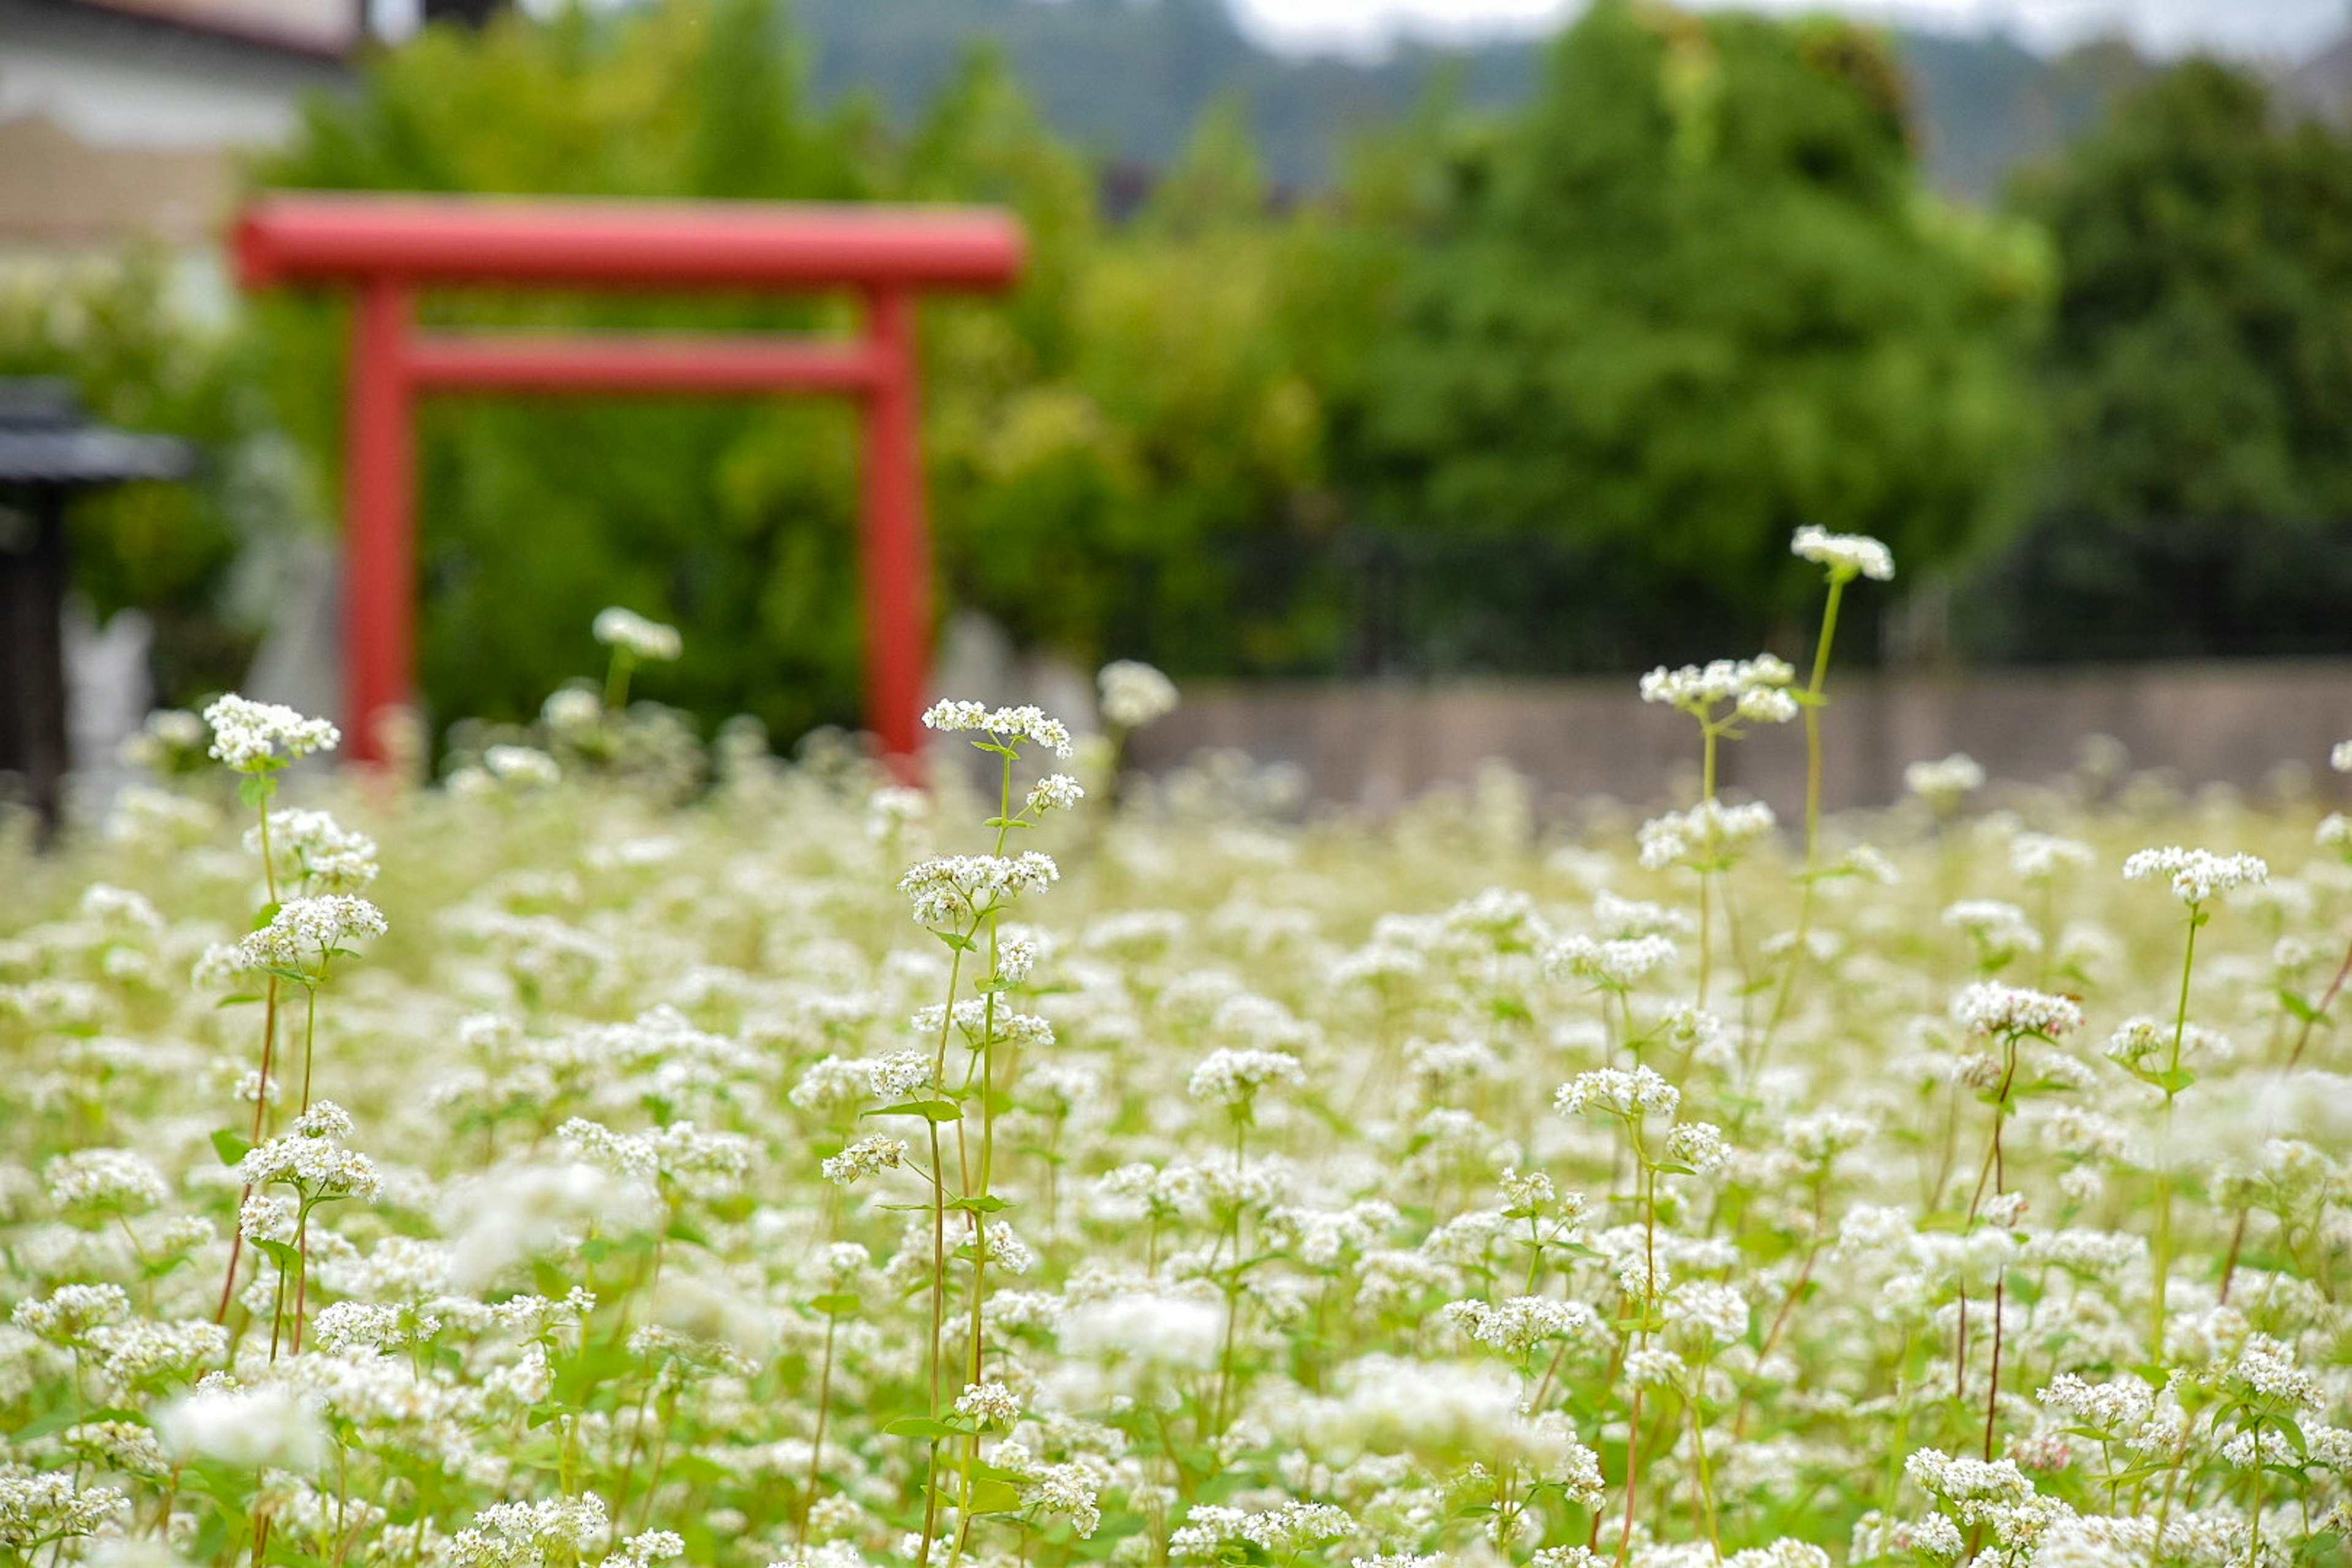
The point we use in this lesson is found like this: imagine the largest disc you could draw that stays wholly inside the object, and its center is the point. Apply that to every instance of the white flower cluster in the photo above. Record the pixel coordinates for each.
(312, 847)
(951, 889)
(864, 1158)
(40, 1507)
(1999, 930)
(1707, 833)
(311, 1159)
(521, 767)
(2196, 875)
(1617, 1091)
(1002, 726)
(1847, 555)
(250, 1428)
(1943, 784)
(2037, 857)
(529, 1534)
(1284, 1531)
(1134, 694)
(1055, 792)
(988, 1404)
(256, 737)
(304, 932)
(1232, 1076)
(1989, 1007)
(634, 635)
(69, 1314)
(1616, 964)
(116, 1179)
(1756, 689)
(1145, 1328)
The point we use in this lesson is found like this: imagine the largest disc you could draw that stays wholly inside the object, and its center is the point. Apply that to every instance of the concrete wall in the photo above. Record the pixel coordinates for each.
(1379, 745)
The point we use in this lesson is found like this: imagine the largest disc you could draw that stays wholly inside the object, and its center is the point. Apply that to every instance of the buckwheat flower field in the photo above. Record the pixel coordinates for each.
(629, 1155)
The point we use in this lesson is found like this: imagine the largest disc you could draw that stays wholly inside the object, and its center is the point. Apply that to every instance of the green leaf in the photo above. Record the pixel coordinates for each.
(960, 944)
(278, 1252)
(929, 1110)
(994, 1497)
(2301, 1009)
(230, 1145)
(921, 1426)
(987, 1203)
(837, 1303)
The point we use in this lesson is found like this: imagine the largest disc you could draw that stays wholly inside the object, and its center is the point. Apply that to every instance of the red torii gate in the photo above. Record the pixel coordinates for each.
(385, 248)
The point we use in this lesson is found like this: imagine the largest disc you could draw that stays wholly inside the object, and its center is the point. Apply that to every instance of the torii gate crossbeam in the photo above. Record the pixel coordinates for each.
(385, 248)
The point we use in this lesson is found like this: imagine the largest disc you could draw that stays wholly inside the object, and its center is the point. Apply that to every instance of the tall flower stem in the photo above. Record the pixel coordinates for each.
(2161, 1261)
(1812, 703)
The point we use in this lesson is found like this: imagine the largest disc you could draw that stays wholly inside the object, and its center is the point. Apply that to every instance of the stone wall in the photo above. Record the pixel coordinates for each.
(1377, 746)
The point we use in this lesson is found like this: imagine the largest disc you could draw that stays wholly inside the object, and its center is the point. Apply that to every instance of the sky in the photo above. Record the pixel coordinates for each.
(2259, 29)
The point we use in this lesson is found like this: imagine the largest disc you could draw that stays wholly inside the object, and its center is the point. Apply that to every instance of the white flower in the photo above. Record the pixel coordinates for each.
(1002, 726)
(1847, 555)
(952, 888)
(2197, 875)
(1134, 694)
(568, 710)
(988, 1404)
(1615, 1092)
(529, 1534)
(114, 1179)
(311, 1159)
(1709, 832)
(2340, 759)
(524, 767)
(36, 1508)
(1616, 963)
(1697, 688)
(641, 638)
(1700, 1145)
(2033, 857)
(71, 1312)
(315, 849)
(256, 737)
(863, 1158)
(1234, 1077)
(1943, 784)
(1989, 1007)
(1146, 1329)
(1054, 791)
(243, 1428)
(304, 932)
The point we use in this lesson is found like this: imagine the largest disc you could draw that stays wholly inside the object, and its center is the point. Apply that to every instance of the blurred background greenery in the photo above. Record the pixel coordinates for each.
(1518, 361)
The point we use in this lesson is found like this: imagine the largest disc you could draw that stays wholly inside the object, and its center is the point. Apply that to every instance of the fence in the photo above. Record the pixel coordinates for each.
(1379, 744)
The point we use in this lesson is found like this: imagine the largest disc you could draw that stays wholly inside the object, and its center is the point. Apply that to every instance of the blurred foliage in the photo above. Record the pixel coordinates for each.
(142, 362)
(1094, 442)
(2199, 374)
(1693, 299)
(1533, 391)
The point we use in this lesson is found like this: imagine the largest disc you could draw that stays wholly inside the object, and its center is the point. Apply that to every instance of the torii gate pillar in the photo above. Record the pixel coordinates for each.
(384, 248)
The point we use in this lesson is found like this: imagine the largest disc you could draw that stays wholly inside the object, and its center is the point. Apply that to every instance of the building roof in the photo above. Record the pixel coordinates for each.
(45, 438)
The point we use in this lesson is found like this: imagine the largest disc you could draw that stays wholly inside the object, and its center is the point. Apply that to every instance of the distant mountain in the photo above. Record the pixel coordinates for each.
(1129, 79)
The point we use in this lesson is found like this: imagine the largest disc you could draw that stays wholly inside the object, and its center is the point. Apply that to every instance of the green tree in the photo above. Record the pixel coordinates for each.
(1694, 298)
(2199, 375)
(1108, 446)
